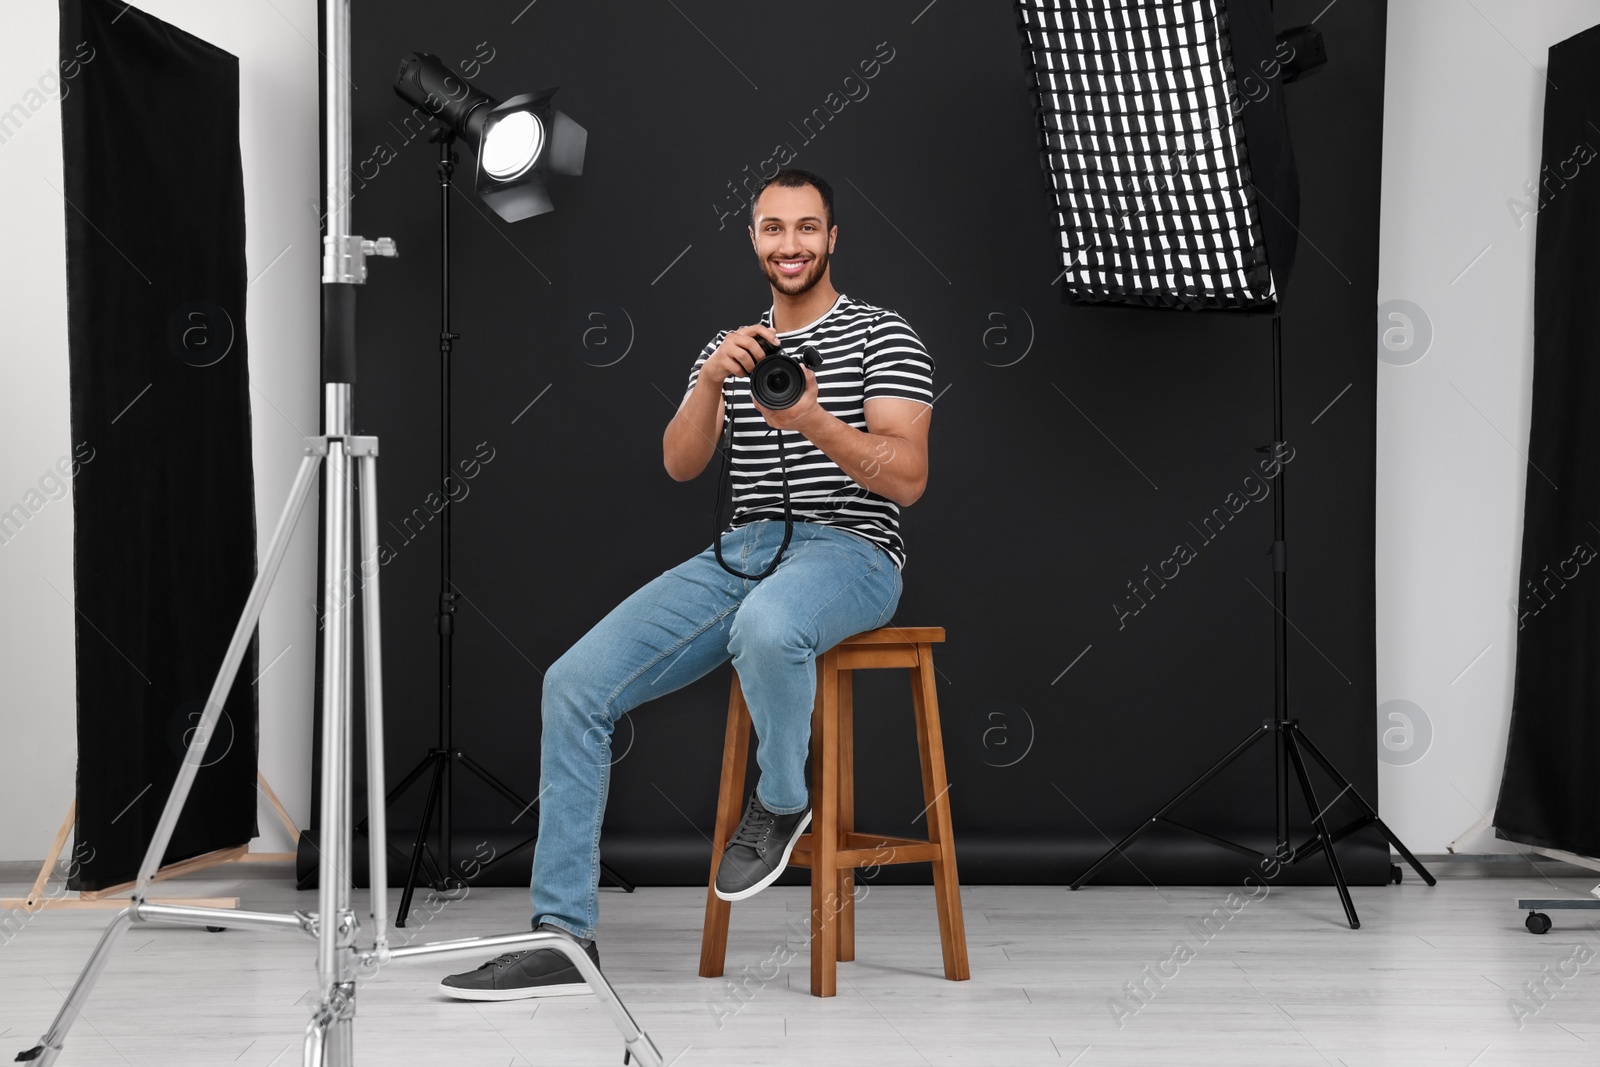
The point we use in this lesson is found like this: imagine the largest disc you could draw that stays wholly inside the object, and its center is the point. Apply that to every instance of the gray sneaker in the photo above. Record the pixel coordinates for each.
(539, 972)
(759, 850)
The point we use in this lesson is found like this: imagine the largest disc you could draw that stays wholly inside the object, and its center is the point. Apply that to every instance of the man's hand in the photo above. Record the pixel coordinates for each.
(738, 354)
(798, 414)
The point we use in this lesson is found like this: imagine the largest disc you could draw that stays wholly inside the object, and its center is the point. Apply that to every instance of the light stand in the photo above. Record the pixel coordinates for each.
(330, 1036)
(440, 760)
(1290, 743)
(1171, 211)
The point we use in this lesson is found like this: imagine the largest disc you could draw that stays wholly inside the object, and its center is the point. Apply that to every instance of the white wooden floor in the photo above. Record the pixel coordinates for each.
(1282, 983)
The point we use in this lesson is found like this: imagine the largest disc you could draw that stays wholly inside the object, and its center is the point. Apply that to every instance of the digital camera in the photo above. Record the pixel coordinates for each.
(778, 381)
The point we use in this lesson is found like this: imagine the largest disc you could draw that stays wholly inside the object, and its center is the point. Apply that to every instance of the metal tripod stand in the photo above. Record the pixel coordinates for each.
(1290, 743)
(341, 963)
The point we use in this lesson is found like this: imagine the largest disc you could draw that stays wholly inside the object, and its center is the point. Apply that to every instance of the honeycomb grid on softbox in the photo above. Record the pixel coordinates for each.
(1144, 144)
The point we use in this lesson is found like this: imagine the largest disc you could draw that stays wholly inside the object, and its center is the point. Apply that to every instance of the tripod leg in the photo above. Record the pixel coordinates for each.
(1399, 846)
(405, 783)
(523, 806)
(317, 1040)
(336, 922)
(327, 1043)
(494, 783)
(616, 879)
(49, 1046)
(195, 756)
(1292, 735)
(1116, 850)
(439, 762)
(430, 866)
(372, 656)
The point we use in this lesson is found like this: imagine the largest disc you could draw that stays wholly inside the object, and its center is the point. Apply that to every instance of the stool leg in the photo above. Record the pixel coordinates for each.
(847, 814)
(936, 791)
(730, 796)
(825, 833)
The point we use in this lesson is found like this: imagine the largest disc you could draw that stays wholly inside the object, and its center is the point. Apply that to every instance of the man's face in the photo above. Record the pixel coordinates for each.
(791, 237)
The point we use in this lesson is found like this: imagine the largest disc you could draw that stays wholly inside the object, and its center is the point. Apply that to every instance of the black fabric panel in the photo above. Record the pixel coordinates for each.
(1547, 793)
(164, 535)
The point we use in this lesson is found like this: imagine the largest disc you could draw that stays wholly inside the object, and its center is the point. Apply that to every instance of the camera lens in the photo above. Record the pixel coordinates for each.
(775, 383)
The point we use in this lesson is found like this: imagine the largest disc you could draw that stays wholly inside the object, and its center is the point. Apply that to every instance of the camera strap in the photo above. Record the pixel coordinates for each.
(724, 490)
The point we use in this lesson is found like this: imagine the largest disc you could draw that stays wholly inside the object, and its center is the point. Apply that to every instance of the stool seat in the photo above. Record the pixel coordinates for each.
(895, 635)
(834, 849)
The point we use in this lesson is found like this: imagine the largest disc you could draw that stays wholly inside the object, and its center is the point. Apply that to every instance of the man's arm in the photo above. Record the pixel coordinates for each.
(691, 437)
(890, 457)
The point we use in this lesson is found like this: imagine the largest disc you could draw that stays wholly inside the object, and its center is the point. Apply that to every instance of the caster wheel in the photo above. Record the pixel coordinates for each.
(1395, 874)
(215, 929)
(1537, 922)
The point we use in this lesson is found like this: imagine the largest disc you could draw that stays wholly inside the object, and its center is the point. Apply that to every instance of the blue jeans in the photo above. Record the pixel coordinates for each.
(678, 627)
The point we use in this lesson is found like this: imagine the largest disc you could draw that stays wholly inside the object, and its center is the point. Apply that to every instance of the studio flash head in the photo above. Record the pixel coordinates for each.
(518, 142)
(778, 381)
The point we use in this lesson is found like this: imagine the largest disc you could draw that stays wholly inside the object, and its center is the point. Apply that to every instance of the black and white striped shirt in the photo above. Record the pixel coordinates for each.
(867, 352)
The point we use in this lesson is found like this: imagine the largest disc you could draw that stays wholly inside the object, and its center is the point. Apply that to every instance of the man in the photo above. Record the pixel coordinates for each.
(855, 450)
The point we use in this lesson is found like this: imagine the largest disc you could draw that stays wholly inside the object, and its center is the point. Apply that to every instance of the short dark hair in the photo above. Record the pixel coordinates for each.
(794, 178)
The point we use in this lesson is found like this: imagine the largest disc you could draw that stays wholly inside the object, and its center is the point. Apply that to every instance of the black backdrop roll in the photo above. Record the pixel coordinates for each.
(164, 531)
(1547, 794)
(1072, 448)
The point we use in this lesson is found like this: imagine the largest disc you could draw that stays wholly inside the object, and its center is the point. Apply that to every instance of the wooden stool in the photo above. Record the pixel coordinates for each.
(833, 849)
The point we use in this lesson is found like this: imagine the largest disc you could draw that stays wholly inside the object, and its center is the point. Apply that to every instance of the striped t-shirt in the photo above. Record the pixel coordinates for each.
(867, 352)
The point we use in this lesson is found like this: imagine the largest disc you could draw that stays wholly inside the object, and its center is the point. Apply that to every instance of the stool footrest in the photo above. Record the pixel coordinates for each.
(870, 850)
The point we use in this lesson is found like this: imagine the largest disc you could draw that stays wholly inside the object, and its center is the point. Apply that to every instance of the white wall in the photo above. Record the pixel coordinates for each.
(1463, 111)
(36, 652)
(278, 62)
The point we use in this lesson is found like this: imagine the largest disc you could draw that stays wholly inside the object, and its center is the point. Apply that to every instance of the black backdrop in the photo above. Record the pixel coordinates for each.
(1547, 791)
(1072, 447)
(164, 502)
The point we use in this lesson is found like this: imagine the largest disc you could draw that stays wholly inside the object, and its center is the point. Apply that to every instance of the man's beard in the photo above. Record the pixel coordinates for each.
(799, 283)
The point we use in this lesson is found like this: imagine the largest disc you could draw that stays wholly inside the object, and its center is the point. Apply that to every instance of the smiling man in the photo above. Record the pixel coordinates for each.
(854, 448)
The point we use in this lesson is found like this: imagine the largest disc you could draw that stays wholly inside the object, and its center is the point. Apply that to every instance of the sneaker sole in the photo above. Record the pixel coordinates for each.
(745, 894)
(569, 989)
